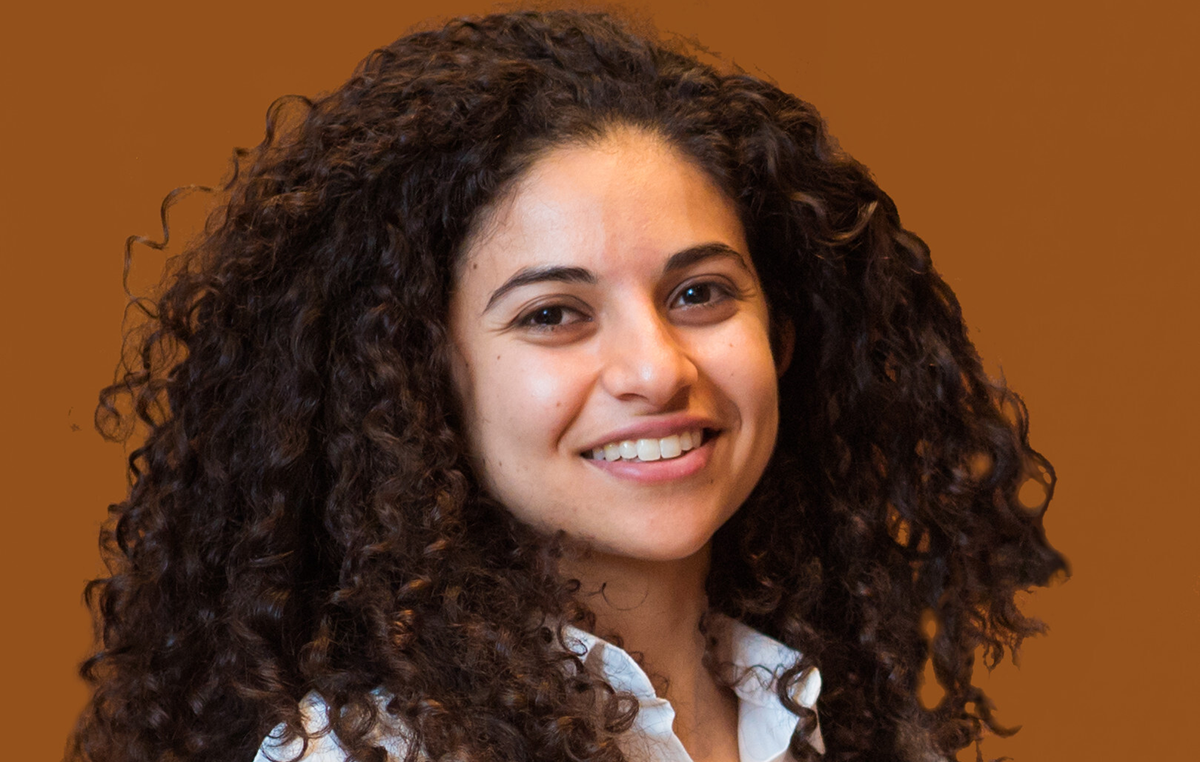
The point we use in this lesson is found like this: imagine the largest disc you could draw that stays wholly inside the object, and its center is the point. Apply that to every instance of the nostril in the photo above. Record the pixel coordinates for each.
(640, 365)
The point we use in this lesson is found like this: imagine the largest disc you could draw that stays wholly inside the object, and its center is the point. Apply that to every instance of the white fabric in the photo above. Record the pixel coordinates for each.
(765, 726)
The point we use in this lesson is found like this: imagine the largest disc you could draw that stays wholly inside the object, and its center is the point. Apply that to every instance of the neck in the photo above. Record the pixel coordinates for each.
(655, 607)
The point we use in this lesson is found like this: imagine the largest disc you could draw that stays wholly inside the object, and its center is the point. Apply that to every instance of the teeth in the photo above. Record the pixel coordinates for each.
(669, 447)
(649, 450)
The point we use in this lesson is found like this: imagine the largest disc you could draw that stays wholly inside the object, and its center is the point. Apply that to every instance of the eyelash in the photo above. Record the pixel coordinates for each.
(525, 320)
(721, 291)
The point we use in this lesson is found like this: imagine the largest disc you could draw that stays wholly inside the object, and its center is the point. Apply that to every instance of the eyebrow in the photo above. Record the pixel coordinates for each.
(693, 254)
(558, 274)
(551, 273)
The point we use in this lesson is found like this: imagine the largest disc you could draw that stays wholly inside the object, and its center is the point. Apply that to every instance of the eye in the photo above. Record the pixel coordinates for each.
(702, 294)
(548, 318)
(697, 293)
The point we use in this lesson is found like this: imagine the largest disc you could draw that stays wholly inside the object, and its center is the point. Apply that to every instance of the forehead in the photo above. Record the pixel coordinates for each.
(629, 198)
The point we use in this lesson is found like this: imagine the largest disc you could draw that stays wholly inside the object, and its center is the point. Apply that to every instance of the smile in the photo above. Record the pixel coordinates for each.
(648, 450)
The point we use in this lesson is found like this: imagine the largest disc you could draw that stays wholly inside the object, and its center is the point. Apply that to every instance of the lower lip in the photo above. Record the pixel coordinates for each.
(656, 471)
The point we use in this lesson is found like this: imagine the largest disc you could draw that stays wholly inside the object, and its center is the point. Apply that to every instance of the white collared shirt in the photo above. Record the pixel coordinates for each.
(765, 726)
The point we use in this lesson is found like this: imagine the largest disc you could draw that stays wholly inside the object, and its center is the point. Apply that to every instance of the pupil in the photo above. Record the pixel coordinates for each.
(696, 294)
(548, 316)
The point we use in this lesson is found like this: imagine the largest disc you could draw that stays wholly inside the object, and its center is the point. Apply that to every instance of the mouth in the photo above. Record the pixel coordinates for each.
(652, 449)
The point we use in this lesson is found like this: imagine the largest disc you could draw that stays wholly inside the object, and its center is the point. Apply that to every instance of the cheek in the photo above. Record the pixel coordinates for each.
(749, 370)
(760, 391)
(542, 389)
(528, 399)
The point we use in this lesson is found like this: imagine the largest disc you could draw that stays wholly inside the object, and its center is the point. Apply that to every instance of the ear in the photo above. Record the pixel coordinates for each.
(783, 345)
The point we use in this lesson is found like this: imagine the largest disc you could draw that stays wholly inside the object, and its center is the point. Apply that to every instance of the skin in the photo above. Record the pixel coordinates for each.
(610, 295)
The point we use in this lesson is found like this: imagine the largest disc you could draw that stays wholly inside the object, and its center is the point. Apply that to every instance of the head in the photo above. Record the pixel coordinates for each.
(435, 297)
(609, 301)
(445, 140)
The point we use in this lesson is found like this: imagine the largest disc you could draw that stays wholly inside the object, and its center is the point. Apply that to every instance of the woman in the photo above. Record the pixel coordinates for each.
(543, 393)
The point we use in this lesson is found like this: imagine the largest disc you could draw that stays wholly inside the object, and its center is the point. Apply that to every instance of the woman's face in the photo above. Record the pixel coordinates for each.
(612, 350)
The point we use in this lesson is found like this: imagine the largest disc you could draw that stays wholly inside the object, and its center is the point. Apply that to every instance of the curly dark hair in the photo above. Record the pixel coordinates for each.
(303, 515)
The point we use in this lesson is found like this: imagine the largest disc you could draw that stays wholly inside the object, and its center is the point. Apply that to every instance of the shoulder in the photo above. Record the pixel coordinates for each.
(323, 744)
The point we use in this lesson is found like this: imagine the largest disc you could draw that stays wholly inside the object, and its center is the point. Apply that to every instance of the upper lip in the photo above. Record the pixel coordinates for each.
(655, 428)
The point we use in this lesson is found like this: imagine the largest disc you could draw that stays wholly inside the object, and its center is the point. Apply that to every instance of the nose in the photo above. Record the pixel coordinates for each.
(645, 360)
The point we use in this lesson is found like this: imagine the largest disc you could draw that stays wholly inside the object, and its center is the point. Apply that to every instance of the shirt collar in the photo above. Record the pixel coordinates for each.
(765, 725)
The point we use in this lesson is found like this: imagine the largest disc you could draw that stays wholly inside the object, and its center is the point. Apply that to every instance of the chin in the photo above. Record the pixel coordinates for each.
(666, 546)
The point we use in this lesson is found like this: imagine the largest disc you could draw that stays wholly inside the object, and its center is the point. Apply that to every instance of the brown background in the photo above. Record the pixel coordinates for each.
(1046, 151)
